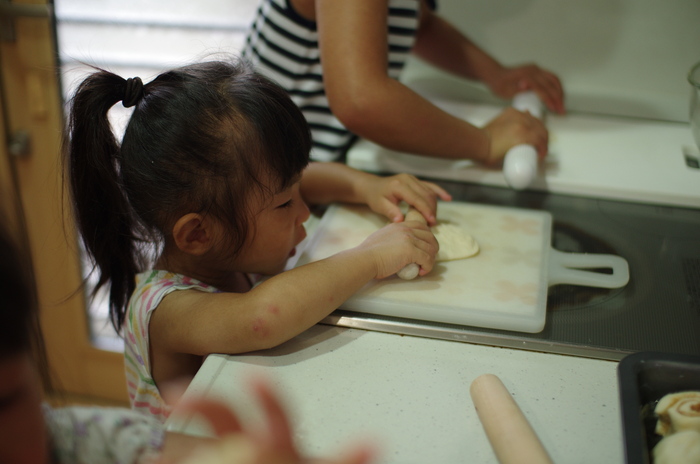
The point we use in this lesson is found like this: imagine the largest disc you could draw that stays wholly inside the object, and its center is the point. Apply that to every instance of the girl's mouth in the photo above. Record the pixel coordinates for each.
(302, 236)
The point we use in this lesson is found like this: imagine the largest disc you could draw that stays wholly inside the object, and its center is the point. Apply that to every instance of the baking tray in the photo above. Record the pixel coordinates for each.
(643, 379)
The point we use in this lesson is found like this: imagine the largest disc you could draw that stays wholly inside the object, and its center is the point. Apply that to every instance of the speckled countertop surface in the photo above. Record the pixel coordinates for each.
(410, 395)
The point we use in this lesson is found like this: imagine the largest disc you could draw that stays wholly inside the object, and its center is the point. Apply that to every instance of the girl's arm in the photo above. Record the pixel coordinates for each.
(444, 46)
(353, 43)
(324, 183)
(196, 323)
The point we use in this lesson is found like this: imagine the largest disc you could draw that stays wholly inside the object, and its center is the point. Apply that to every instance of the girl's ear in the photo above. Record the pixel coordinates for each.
(194, 234)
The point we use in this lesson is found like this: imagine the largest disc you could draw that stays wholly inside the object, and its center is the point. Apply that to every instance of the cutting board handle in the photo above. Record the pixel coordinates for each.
(568, 268)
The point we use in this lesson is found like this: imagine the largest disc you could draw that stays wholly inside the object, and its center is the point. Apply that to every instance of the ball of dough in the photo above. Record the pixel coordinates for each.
(679, 448)
(678, 411)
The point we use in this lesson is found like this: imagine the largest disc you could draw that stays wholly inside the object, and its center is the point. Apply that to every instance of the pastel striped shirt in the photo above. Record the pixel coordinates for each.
(100, 435)
(151, 288)
(284, 46)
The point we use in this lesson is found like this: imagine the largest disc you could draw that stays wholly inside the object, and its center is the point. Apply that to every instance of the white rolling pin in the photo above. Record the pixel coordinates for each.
(512, 438)
(410, 271)
(520, 162)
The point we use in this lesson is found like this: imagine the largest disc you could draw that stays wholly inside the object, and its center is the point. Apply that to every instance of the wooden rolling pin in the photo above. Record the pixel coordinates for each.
(511, 436)
(411, 270)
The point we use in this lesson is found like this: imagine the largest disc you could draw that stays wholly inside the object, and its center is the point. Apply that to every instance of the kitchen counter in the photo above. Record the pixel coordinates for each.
(410, 395)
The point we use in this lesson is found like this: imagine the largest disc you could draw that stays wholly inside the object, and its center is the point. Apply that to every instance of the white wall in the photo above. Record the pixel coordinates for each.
(623, 57)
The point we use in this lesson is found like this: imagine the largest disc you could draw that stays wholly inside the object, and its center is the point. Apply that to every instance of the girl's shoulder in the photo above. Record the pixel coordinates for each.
(152, 286)
(160, 279)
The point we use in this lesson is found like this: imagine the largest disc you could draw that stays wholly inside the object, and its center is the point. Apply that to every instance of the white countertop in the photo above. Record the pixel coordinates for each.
(589, 155)
(411, 396)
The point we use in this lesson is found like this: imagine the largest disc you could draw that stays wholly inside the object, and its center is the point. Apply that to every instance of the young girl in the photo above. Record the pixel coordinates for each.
(341, 62)
(213, 168)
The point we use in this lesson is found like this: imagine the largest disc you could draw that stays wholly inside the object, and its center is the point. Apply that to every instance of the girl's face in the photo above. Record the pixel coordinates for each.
(277, 230)
(23, 438)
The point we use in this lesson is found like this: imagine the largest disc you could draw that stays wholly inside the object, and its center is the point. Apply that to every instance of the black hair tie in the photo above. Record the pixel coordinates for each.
(133, 91)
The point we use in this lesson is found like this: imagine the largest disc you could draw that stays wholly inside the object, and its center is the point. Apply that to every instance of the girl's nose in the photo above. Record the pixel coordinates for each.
(304, 212)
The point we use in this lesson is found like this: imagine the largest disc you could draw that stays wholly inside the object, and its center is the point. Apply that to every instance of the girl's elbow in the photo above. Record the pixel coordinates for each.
(267, 330)
(263, 334)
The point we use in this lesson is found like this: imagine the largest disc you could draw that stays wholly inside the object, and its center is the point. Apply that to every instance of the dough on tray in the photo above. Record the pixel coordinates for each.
(678, 411)
(679, 423)
(679, 448)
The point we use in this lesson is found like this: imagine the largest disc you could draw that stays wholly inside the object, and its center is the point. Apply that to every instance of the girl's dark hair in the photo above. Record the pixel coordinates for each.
(202, 138)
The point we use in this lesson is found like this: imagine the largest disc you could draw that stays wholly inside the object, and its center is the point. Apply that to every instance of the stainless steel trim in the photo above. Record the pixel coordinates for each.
(466, 335)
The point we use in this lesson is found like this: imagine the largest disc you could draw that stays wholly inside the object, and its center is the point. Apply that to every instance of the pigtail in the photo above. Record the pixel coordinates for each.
(104, 218)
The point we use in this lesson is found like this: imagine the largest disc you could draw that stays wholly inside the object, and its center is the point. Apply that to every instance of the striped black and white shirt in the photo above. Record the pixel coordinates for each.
(283, 46)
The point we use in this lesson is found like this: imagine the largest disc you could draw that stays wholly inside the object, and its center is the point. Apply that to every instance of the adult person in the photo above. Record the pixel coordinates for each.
(340, 62)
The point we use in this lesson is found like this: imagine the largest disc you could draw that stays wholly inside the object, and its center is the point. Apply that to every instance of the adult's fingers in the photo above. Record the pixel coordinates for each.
(548, 88)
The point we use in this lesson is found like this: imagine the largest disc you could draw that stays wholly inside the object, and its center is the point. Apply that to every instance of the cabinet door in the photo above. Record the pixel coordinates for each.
(32, 106)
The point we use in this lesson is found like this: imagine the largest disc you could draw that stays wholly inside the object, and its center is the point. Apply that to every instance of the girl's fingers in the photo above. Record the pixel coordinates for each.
(427, 247)
(412, 191)
(219, 416)
(275, 445)
(279, 428)
(361, 455)
(391, 211)
(421, 195)
(439, 191)
(427, 210)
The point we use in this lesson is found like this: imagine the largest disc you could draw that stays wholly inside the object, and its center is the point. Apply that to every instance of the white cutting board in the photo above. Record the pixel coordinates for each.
(504, 286)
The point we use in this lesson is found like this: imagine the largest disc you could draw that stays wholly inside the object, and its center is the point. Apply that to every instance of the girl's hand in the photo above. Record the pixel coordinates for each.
(271, 444)
(383, 195)
(396, 245)
(530, 77)
(511, 128)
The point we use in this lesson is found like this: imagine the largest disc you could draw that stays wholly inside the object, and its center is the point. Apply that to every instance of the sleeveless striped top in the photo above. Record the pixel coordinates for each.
(284, 47)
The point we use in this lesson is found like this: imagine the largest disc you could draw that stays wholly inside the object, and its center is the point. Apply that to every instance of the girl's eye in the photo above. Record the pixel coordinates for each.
(286, 204)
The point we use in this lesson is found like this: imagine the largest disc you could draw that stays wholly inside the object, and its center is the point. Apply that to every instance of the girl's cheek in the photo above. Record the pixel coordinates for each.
(23, 436)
